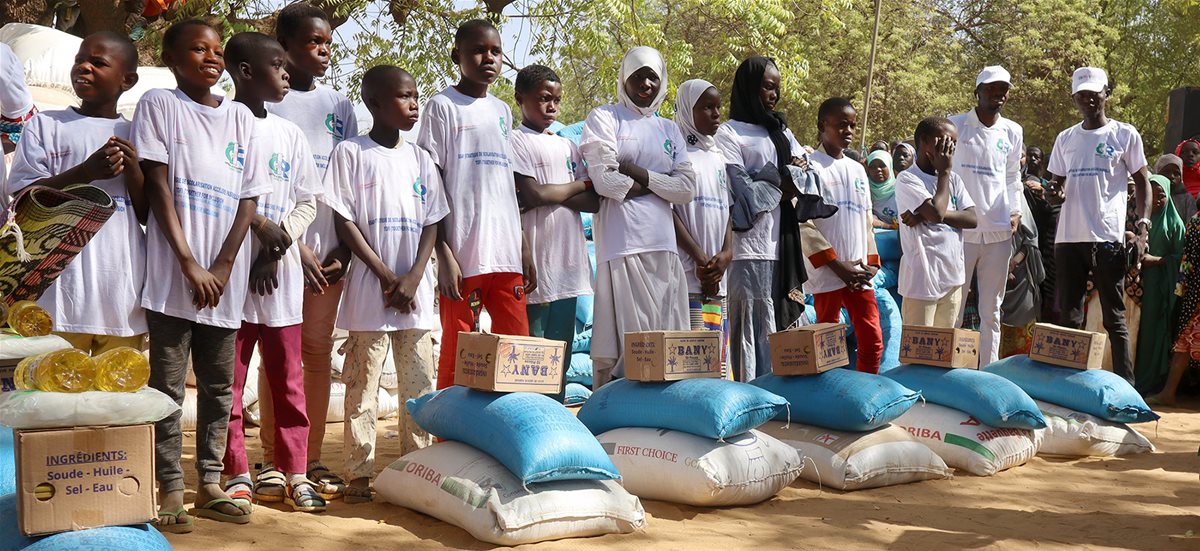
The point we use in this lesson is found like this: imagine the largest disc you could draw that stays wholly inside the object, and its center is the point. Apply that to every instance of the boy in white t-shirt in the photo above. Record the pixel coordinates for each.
(934, 208)
(388, 200)
(840, 275)
(703, 228)
(96, 301)
(325, 118)
(274, 306)
(1091, 163)
(483, 259)
(552, 188)
(193, 146)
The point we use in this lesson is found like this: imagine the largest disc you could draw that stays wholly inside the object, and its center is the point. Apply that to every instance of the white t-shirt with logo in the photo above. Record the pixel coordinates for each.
(844, 184)
(391, 194)
(933, 261)
(282, 155)
(1096, 164)
(707, 216)
(469, 138)
(555, 232)
(988, 160)
(325, 118)
(639, 224)
(100, 290)
(749, 146)
(204, 149)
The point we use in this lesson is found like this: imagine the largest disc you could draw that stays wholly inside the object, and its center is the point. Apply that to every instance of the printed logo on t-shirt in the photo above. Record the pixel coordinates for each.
(419, 189)
(235, 156)
(1003, 146)
(503, 127)
(1106, 151)
(279, 168)
(669, 148)
(571, 166)
(335, 126)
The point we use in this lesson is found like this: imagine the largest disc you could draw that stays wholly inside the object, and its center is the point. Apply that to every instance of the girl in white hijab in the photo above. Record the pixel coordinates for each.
(638, 165)
(702, 227)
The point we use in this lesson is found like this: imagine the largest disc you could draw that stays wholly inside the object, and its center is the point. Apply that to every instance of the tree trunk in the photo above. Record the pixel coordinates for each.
(25, 11)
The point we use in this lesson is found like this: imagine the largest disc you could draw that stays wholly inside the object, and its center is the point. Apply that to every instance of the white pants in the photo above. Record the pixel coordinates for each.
(990, 263)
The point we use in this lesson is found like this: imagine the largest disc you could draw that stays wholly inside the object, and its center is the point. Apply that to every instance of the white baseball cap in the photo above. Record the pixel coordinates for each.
(993, 73)
(1089, 79)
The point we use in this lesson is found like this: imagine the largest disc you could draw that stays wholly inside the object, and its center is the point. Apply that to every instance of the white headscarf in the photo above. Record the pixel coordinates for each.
(685, 100)
(642, 56)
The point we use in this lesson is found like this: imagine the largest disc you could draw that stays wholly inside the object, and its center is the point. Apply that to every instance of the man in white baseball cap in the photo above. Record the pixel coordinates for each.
(1090, 166)
(988, 160)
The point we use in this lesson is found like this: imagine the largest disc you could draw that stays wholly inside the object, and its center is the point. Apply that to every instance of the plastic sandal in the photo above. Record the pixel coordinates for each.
(354, 494)
(303, 497)
(209, 511)
(327, 484)
(270, 485)
(176, 527)
(238, 489)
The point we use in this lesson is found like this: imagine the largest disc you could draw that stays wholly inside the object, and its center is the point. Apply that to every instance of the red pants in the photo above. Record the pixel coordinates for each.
(503, 295)
(864, 315)
(285, 376)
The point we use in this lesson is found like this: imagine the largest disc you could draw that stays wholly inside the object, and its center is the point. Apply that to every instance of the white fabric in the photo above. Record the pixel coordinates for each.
(555, 232)
(204, 149)
(283, 156)
(643, 292)
(843, 184)
(707, 216)
(1096, 164)
(325, 117)
(993, 73)
(1091, 79)
(626, 226)
(100, 290)
(987, 266)
(988, 159)
(685, 101)
(15, 101)
(749, 146)
(678, 467)
(469, 139)
(391, 194)
(636, 58)
(932, 264)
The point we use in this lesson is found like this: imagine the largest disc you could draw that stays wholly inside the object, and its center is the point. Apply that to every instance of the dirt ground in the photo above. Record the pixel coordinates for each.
(1146, 502)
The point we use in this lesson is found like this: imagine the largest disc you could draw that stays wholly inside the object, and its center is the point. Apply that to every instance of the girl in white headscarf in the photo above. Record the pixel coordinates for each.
(639, 167)
(703, 228)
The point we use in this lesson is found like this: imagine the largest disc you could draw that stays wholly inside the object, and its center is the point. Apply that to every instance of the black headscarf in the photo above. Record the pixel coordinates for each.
(746, 105)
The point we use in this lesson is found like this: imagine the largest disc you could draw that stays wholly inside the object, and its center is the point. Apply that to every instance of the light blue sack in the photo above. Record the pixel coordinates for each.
(580, 369)
(989, 398)
(1101, 393)
(715, 408)
(576, 394)
(887, 244)
(891, 324)
(584, 307)
(140, 537)
(531, 434)
(8, 465)
(841, 399)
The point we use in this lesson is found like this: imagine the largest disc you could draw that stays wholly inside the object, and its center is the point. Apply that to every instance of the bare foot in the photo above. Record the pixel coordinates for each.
(172, 517)
(358, 491)
(226, 511)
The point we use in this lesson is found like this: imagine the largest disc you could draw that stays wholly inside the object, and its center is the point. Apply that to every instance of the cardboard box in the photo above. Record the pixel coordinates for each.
(939, 346)
(1073, 348)
(7, 368)
(506, 363)
(809, 350)
(672, 355)
(73, 479)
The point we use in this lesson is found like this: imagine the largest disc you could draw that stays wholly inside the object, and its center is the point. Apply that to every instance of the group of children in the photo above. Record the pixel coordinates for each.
(269, 222)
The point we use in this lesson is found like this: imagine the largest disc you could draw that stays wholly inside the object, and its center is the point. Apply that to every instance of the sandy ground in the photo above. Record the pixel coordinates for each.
(1149, 501)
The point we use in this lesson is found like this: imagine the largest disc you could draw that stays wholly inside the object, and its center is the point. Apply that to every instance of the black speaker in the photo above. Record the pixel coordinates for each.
(1183, 116)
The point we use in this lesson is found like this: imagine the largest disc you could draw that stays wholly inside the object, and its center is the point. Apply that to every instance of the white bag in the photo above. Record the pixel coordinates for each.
(965, 443)
(188, 419)
(15, 347)
(388, 403)
(858, 460)
(684, 468)
(465, 487)
(34, 409)
(1077, 434)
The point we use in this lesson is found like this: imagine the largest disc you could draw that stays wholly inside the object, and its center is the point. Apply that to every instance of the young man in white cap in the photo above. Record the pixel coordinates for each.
(1090, 166)
(988, 160)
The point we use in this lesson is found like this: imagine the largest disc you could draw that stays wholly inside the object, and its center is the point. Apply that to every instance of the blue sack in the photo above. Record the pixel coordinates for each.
(1097, 392)
(989, 398)
(887, 244)
(891, 324)
(573, 132)
(576, 394)
(580, 369)
(531, 434)
(582, 342)
(140, 537)
(584, 306)
(715, 408)
(586, 218)
(8, 465)
(841, 399)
